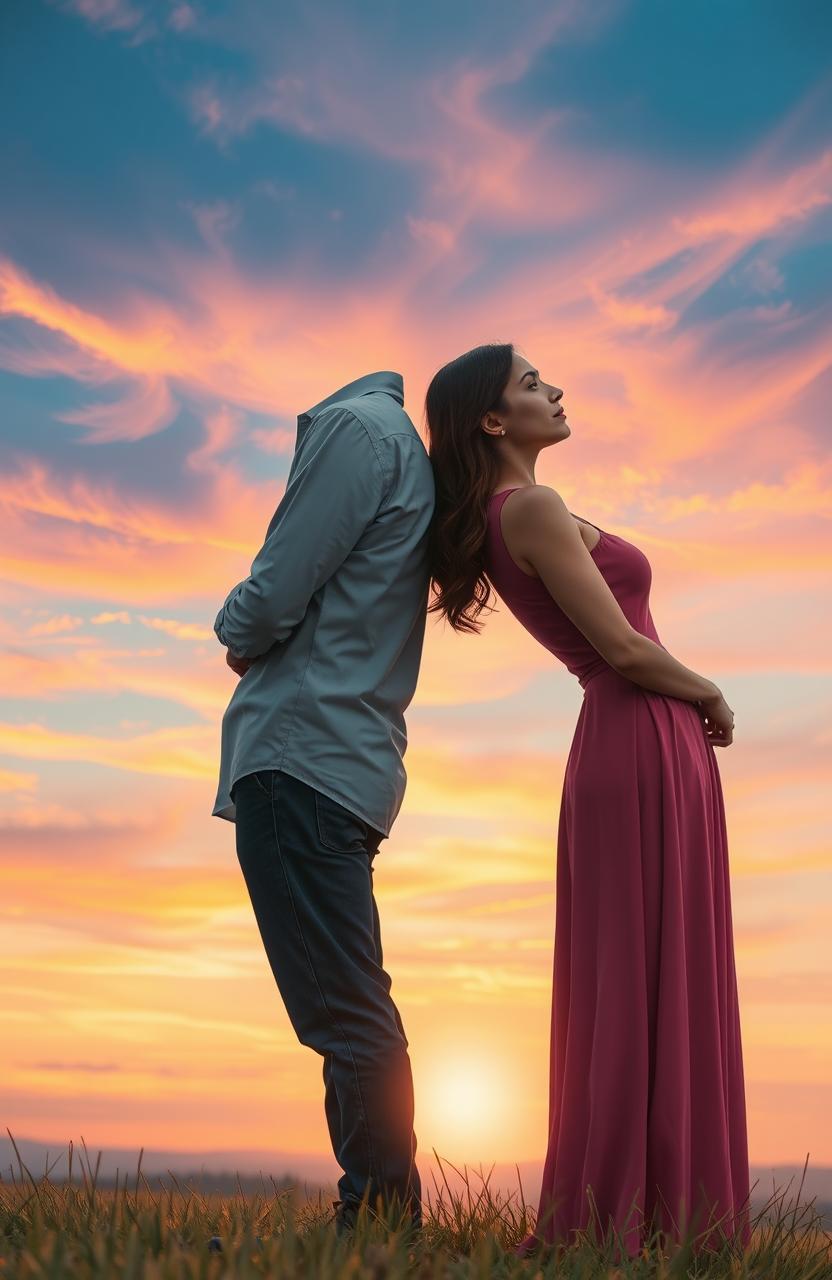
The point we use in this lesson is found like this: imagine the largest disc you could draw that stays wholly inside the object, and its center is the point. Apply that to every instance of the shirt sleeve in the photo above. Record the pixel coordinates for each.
(328, 503)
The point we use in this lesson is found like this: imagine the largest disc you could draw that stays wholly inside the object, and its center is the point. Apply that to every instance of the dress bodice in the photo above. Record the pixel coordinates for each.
(625, 569)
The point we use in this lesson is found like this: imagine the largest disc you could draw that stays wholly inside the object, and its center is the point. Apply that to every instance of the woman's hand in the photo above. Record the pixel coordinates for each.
(240, 665)
(718, 719)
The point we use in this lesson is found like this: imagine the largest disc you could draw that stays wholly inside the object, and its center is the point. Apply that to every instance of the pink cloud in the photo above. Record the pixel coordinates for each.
(146, 407)
(111, 15)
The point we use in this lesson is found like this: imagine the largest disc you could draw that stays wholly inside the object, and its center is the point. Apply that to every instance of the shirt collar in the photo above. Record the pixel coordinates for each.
(384, 380)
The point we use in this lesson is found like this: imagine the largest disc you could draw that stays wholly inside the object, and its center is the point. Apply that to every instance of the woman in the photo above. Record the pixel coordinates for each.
(647, 1123)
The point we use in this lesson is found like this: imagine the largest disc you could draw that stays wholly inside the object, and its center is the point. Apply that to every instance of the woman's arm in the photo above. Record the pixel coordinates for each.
(537, 525)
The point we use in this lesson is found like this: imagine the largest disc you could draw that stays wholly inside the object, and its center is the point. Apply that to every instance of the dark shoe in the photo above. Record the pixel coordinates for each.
(344, 1217)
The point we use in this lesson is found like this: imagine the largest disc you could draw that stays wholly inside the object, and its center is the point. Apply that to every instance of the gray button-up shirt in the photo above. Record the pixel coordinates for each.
(333, 612)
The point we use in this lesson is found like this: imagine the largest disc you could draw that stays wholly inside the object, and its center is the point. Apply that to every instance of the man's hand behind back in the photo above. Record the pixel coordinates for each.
(240, 665)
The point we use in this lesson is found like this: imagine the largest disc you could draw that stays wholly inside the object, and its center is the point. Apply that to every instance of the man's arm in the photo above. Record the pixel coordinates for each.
(327, 505)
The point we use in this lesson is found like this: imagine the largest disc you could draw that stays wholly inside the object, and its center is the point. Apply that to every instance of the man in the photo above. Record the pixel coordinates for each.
(327, 634)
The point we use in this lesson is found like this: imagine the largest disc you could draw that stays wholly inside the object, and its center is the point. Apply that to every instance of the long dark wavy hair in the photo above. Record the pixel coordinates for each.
(465, 469)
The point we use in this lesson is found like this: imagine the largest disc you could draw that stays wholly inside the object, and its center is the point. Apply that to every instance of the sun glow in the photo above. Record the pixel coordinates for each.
(465, 1099)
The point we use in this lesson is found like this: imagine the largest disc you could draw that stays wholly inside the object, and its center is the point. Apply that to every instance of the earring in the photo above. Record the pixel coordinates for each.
(502, 431)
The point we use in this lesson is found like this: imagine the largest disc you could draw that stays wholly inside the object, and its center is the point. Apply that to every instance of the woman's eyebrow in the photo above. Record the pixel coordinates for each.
(526, 374)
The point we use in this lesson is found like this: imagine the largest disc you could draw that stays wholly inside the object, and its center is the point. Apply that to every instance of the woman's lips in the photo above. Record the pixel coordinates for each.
(560, 413)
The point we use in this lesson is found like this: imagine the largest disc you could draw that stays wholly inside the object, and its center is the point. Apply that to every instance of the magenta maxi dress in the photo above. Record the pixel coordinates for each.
(646, 1089)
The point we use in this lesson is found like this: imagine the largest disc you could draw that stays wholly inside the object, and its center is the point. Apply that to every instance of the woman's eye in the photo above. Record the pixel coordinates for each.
(533, 383)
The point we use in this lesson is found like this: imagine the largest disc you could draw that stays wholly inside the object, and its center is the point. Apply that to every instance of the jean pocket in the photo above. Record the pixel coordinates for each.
(261, 780)
(339, 829)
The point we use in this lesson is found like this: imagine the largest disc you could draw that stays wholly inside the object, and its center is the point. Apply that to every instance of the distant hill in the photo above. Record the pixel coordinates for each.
(224, 1172)
(216, 1170)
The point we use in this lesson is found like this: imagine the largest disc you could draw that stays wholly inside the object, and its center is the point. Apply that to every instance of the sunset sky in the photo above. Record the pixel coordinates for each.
(213, 215)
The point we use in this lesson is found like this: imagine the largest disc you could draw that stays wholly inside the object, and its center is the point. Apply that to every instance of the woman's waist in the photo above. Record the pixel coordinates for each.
(592, 670)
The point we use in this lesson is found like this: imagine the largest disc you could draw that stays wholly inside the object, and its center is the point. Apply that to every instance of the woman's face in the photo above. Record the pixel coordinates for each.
(531, 405)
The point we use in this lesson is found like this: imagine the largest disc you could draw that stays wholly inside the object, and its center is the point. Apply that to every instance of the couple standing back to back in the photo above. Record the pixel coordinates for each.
(647, 1125)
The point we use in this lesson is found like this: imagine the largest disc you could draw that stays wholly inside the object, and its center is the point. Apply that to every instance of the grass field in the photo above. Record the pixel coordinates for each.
(78, 1230)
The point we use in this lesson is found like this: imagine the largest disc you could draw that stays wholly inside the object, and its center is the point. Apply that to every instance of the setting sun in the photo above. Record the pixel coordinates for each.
(465, 1099)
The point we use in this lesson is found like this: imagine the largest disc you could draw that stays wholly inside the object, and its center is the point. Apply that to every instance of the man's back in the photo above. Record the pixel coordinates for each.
(333, 613)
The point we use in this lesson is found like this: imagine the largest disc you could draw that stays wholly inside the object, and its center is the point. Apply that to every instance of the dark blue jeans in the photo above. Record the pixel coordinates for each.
(308, 867)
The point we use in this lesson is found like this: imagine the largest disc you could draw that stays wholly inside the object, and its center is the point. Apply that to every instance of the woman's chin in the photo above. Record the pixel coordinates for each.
(560, 430)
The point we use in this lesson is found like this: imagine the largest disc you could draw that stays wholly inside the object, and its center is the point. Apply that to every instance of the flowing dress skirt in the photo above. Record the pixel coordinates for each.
(647, 1112)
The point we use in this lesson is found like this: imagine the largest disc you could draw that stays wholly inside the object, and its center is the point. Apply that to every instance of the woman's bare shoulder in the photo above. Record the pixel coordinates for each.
(530, 498)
